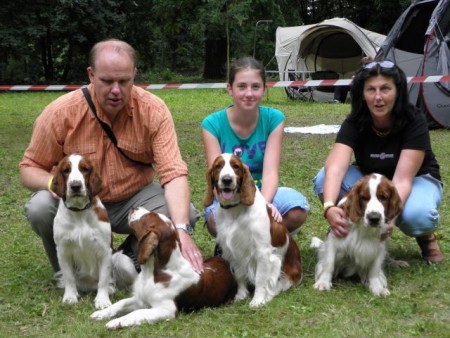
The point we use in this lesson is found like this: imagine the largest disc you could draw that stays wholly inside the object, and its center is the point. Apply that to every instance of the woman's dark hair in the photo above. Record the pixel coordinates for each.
(246, 63)
(402, 110)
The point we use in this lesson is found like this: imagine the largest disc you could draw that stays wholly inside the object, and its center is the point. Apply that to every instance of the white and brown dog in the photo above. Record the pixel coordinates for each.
(370, 205)
(167, 282)
(82, 231)
(259, 249)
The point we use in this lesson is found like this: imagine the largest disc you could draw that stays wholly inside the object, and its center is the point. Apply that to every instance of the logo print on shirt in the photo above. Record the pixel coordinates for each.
(382, 156)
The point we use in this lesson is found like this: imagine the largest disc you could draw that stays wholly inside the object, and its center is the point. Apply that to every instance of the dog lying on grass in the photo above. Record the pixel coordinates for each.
(167, 282)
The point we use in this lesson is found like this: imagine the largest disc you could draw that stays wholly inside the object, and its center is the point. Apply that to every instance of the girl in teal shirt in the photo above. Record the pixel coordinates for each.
(254, 133)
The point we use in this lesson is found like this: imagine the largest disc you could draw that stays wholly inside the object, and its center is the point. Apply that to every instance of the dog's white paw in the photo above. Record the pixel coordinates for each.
(115, 324)
(380, 292)
(70, 297)
(121, 322)
(401, 264)
(316, 243)
(102, 302)
(257, 302)
(241, 294)
(101, 314)
(322, 285)
(261, 297)
(393, 263)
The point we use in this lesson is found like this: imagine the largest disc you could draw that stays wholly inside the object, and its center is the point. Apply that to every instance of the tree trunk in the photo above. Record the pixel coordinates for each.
(47, 57)
(215, 59)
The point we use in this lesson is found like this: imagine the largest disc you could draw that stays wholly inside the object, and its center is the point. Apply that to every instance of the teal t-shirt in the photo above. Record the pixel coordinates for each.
(251, 149)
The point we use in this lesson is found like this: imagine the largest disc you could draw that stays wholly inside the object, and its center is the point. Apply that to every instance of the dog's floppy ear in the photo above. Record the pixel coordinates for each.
(209, 197)
(248, 188)
(352, 205)
(395, 205)
(142, 226)
(146, 247)
(95, 182)
(58, 185)
(147, 237)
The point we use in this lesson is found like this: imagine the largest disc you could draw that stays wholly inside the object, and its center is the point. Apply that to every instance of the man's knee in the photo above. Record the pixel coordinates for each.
(40, 211)
(194, 215)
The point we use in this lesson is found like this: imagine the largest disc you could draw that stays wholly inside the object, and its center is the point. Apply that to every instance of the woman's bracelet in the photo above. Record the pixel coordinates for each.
(326, 207)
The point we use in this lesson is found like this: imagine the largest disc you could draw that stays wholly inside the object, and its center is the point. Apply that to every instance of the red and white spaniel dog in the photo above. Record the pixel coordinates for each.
(82, 231)
(259, 249)
(370, 205)
(167, 282)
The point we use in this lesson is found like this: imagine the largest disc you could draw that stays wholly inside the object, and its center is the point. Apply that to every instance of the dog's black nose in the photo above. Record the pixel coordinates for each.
(374, 218)
(76, 186)
(226, 180)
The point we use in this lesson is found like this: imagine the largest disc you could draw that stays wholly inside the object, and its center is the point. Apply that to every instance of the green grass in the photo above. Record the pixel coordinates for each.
(30, 305)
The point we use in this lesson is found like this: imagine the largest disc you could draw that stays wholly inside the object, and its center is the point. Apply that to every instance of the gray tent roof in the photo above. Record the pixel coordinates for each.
(419, 43)
(336, 44)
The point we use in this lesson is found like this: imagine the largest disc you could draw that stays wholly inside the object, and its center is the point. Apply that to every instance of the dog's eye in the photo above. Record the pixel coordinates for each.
(364, 198)
(383, 198)
(85, 170)
(236, 166)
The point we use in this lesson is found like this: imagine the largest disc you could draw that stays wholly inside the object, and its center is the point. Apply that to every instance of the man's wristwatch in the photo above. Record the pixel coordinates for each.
(186, 227)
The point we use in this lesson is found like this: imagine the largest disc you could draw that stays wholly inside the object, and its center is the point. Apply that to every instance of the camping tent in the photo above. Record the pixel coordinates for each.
(427, 55)
(332, 47)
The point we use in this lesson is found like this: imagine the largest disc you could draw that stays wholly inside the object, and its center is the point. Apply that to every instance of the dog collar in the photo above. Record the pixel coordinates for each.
(87, 206)
(228, 206)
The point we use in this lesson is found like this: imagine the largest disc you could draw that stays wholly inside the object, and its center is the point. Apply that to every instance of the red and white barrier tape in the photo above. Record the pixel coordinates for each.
(308, 83)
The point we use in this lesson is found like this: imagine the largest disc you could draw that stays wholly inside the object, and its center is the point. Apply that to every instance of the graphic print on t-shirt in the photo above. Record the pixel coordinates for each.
(251, 155)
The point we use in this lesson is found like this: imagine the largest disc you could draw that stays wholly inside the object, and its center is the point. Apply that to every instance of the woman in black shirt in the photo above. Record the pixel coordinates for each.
(386, 135)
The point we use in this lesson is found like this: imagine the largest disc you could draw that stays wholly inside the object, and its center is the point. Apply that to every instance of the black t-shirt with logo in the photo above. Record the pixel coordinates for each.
(375, 154)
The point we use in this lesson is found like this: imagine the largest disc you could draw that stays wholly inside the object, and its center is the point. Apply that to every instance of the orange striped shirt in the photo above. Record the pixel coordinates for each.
(144, 130)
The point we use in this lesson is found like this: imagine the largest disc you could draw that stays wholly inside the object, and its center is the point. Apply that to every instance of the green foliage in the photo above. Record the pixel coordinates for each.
(48, 41)
(30, 305)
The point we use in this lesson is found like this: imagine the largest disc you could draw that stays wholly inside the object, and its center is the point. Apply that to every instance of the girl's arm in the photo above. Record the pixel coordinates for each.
(271, 165)
(212, 147)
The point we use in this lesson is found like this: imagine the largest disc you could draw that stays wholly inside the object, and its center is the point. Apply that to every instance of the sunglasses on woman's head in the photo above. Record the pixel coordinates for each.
(382, 64)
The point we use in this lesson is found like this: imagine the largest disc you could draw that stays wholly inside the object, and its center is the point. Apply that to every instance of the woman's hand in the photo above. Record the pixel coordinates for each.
(388, 233)
(275, 213)
(338, 221)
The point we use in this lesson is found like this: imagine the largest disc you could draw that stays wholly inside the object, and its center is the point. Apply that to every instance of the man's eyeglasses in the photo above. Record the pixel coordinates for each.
(382, 64)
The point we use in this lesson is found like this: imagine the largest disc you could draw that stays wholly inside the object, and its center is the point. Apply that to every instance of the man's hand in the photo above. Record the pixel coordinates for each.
(190, 251)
